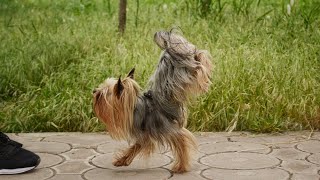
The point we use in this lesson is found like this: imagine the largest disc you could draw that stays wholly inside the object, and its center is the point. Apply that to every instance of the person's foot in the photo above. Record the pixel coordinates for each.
(14, 159)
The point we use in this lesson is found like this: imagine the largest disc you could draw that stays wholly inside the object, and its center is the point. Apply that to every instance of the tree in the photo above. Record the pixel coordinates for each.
(122, 15)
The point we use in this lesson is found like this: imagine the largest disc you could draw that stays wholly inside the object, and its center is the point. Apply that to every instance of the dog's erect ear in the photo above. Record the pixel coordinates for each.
(131, 73)
(118, 88)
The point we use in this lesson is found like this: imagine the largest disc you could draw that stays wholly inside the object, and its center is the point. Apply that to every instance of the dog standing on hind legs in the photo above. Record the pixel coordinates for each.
(157, 117)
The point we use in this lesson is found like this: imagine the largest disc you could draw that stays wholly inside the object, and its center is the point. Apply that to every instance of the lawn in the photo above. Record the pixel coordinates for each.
(267, 60)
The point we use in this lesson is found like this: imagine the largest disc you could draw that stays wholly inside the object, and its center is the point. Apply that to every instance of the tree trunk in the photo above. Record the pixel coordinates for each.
(122, 15)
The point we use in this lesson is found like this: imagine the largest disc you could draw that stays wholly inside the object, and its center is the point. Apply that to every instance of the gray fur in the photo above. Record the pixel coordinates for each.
(161, 110)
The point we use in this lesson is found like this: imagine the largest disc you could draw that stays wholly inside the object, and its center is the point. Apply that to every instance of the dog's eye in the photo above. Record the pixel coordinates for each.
(165, 43)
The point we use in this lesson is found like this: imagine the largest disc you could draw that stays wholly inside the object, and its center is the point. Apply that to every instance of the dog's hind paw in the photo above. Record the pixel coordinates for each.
(179, 169)
(120, 162)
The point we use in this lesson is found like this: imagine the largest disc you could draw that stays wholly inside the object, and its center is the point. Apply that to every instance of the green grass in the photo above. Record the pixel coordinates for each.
(53, 53)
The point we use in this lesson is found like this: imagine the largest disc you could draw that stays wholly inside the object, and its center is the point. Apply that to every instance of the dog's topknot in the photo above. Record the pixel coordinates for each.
(174, 43)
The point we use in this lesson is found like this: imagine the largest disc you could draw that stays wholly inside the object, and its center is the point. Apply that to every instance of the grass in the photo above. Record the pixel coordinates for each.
(53, 53)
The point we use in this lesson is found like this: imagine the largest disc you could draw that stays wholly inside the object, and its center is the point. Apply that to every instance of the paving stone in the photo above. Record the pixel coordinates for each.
(316, 136)
(240, 161)
(222, 134)
(46, 134)
(271, 140)
(67, 156)
(304, 134)
(66, 177)
(314, 158)
(72, 167)
(311, 146)
(48, 160)
(118, 146)
(305, 177)
(194, 155)
(233, 147)
(193, 174)
(210, 138)
(78, 154)
(261, 174)
(22, 140)
(300, 166)
(38, 174)
(85, 140)
(188, 176)
(47, 147)
(112, 147)
(289, 154)
(138, 174)
(154, 161)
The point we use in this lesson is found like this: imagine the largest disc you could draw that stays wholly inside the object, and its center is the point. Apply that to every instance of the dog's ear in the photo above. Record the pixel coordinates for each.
(118, 88)
(131, 73)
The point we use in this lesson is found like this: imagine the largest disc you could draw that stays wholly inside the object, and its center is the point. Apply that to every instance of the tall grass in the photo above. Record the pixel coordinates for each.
(53, 53)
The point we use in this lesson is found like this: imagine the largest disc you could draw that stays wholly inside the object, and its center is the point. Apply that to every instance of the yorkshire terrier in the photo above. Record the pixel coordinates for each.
(157, 117)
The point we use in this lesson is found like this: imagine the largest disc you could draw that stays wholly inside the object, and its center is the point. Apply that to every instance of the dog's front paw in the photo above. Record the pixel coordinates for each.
(120, 162)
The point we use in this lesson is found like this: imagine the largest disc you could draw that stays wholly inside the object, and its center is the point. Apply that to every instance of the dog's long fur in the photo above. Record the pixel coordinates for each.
(157, 117)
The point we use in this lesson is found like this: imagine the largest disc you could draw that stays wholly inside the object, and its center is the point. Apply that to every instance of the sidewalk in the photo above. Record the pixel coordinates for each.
(238, 155)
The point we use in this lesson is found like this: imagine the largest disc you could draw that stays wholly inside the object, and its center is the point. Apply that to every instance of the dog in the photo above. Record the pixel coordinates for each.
(156, 118)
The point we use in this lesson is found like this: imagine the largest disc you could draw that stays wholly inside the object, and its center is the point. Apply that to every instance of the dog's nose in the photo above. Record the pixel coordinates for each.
(94, 91)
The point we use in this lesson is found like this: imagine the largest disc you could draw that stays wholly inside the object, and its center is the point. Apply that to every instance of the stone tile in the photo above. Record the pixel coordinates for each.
(188, 176)
(222, 134)
(154, 161)
(137, 174)
(210, 138)
(194, 155)
(66, 177)
(300, 166)
(112, 147)
(302, 134)
(47, 147)
(240, 161)
(261, 174)
(231, 157)
(314, 158)
(296, 176)
(38, 174)
(79, 154)
(85, 140)
(316, 135)
(279, 141)
(311, 146)
(48, 160)
(194, 172)
(233, 147)
(46, 134)
(72, 167)
(22, 140)
(289, 154)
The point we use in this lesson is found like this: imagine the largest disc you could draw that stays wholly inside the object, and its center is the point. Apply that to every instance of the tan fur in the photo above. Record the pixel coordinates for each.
(117, 113)
(182, 145)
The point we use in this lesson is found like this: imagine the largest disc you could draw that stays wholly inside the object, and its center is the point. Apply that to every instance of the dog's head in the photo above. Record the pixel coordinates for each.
(113, 104)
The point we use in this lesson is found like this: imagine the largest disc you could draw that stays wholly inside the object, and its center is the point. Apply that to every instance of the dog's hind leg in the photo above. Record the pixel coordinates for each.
(128, 155)
(182, 144)
(144, 146)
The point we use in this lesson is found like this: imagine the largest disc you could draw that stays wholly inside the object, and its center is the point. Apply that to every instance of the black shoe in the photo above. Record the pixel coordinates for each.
(14, 159)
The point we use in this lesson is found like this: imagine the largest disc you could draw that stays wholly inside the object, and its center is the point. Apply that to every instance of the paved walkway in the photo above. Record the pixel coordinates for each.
(239, 155)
